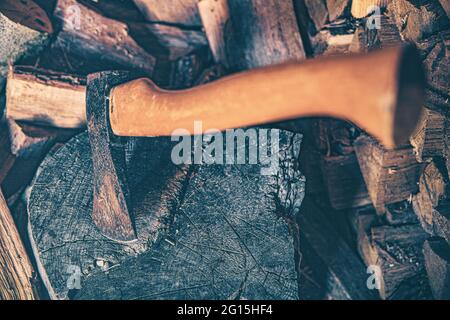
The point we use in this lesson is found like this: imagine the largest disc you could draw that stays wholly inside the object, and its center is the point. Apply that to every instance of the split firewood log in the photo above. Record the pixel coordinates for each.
(16, 271)
(46, 98)
(24, 30)
(175, 24)
(92, 37)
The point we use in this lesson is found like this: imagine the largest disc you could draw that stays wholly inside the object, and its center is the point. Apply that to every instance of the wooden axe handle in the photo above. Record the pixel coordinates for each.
(381, 92)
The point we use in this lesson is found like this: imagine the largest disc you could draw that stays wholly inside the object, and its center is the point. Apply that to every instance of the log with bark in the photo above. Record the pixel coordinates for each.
(16, 271)
(431, 203)
(25, 30)
(46, 98)
(423, 18)
(391, 176)
(339, 166)
(396, 250)
(176, 25)
(104, 42)
(429, 138)
(243, 39)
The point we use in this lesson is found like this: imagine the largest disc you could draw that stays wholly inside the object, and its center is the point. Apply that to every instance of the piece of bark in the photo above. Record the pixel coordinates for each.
(337, 8)
(176, 26)
(46, 98)
(25, 30)
(429, 138)
(390, 175)
(418, 19)
(437, 263)
(432, 192)
(16, 271)
(97, 39)
(362, 8)
(258, 33)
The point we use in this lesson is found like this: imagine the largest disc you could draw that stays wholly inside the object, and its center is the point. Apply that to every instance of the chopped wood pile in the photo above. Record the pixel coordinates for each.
(374, 223)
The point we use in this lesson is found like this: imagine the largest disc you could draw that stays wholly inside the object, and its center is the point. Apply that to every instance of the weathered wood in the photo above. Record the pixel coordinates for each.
(359, 42)
(101, 40)
(429, 138)
(399, 257)
(27, 146)
(345, 184)
(337, 8)
(423, 18)
(432, 193)
(384, 37)
(24, 30)
(215, 16)
(362, 220)
(7, 159)
(258, 33)
(16, 271)
(23, 144)
(177, 12)
(431, 204)
(346, 273)
(170, 263)
(176, 25)
(46, 98)
(436, 59)
(339, 167)
(318, 12)
(400, 213)
(437, 263)
(390, 175)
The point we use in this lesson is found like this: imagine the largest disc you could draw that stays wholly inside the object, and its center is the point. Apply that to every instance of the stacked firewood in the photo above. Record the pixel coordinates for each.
(392, 205)
(365, 206)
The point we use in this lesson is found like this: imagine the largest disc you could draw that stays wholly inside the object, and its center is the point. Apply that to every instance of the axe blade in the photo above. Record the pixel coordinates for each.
(112, 202)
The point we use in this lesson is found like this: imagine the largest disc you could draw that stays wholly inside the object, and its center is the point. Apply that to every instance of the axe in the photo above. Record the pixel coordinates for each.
(381, 92)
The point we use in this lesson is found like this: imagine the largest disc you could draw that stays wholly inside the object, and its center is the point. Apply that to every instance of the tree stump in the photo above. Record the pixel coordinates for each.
(204, 231)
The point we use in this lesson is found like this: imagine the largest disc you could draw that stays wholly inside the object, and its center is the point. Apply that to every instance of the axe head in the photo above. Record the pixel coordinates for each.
(112, 201)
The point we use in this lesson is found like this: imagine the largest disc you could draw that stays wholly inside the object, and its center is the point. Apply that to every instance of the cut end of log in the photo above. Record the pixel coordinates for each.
(410, 96)
(27, 13)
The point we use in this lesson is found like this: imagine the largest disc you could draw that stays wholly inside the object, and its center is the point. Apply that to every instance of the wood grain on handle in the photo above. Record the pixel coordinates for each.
(381, 92)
